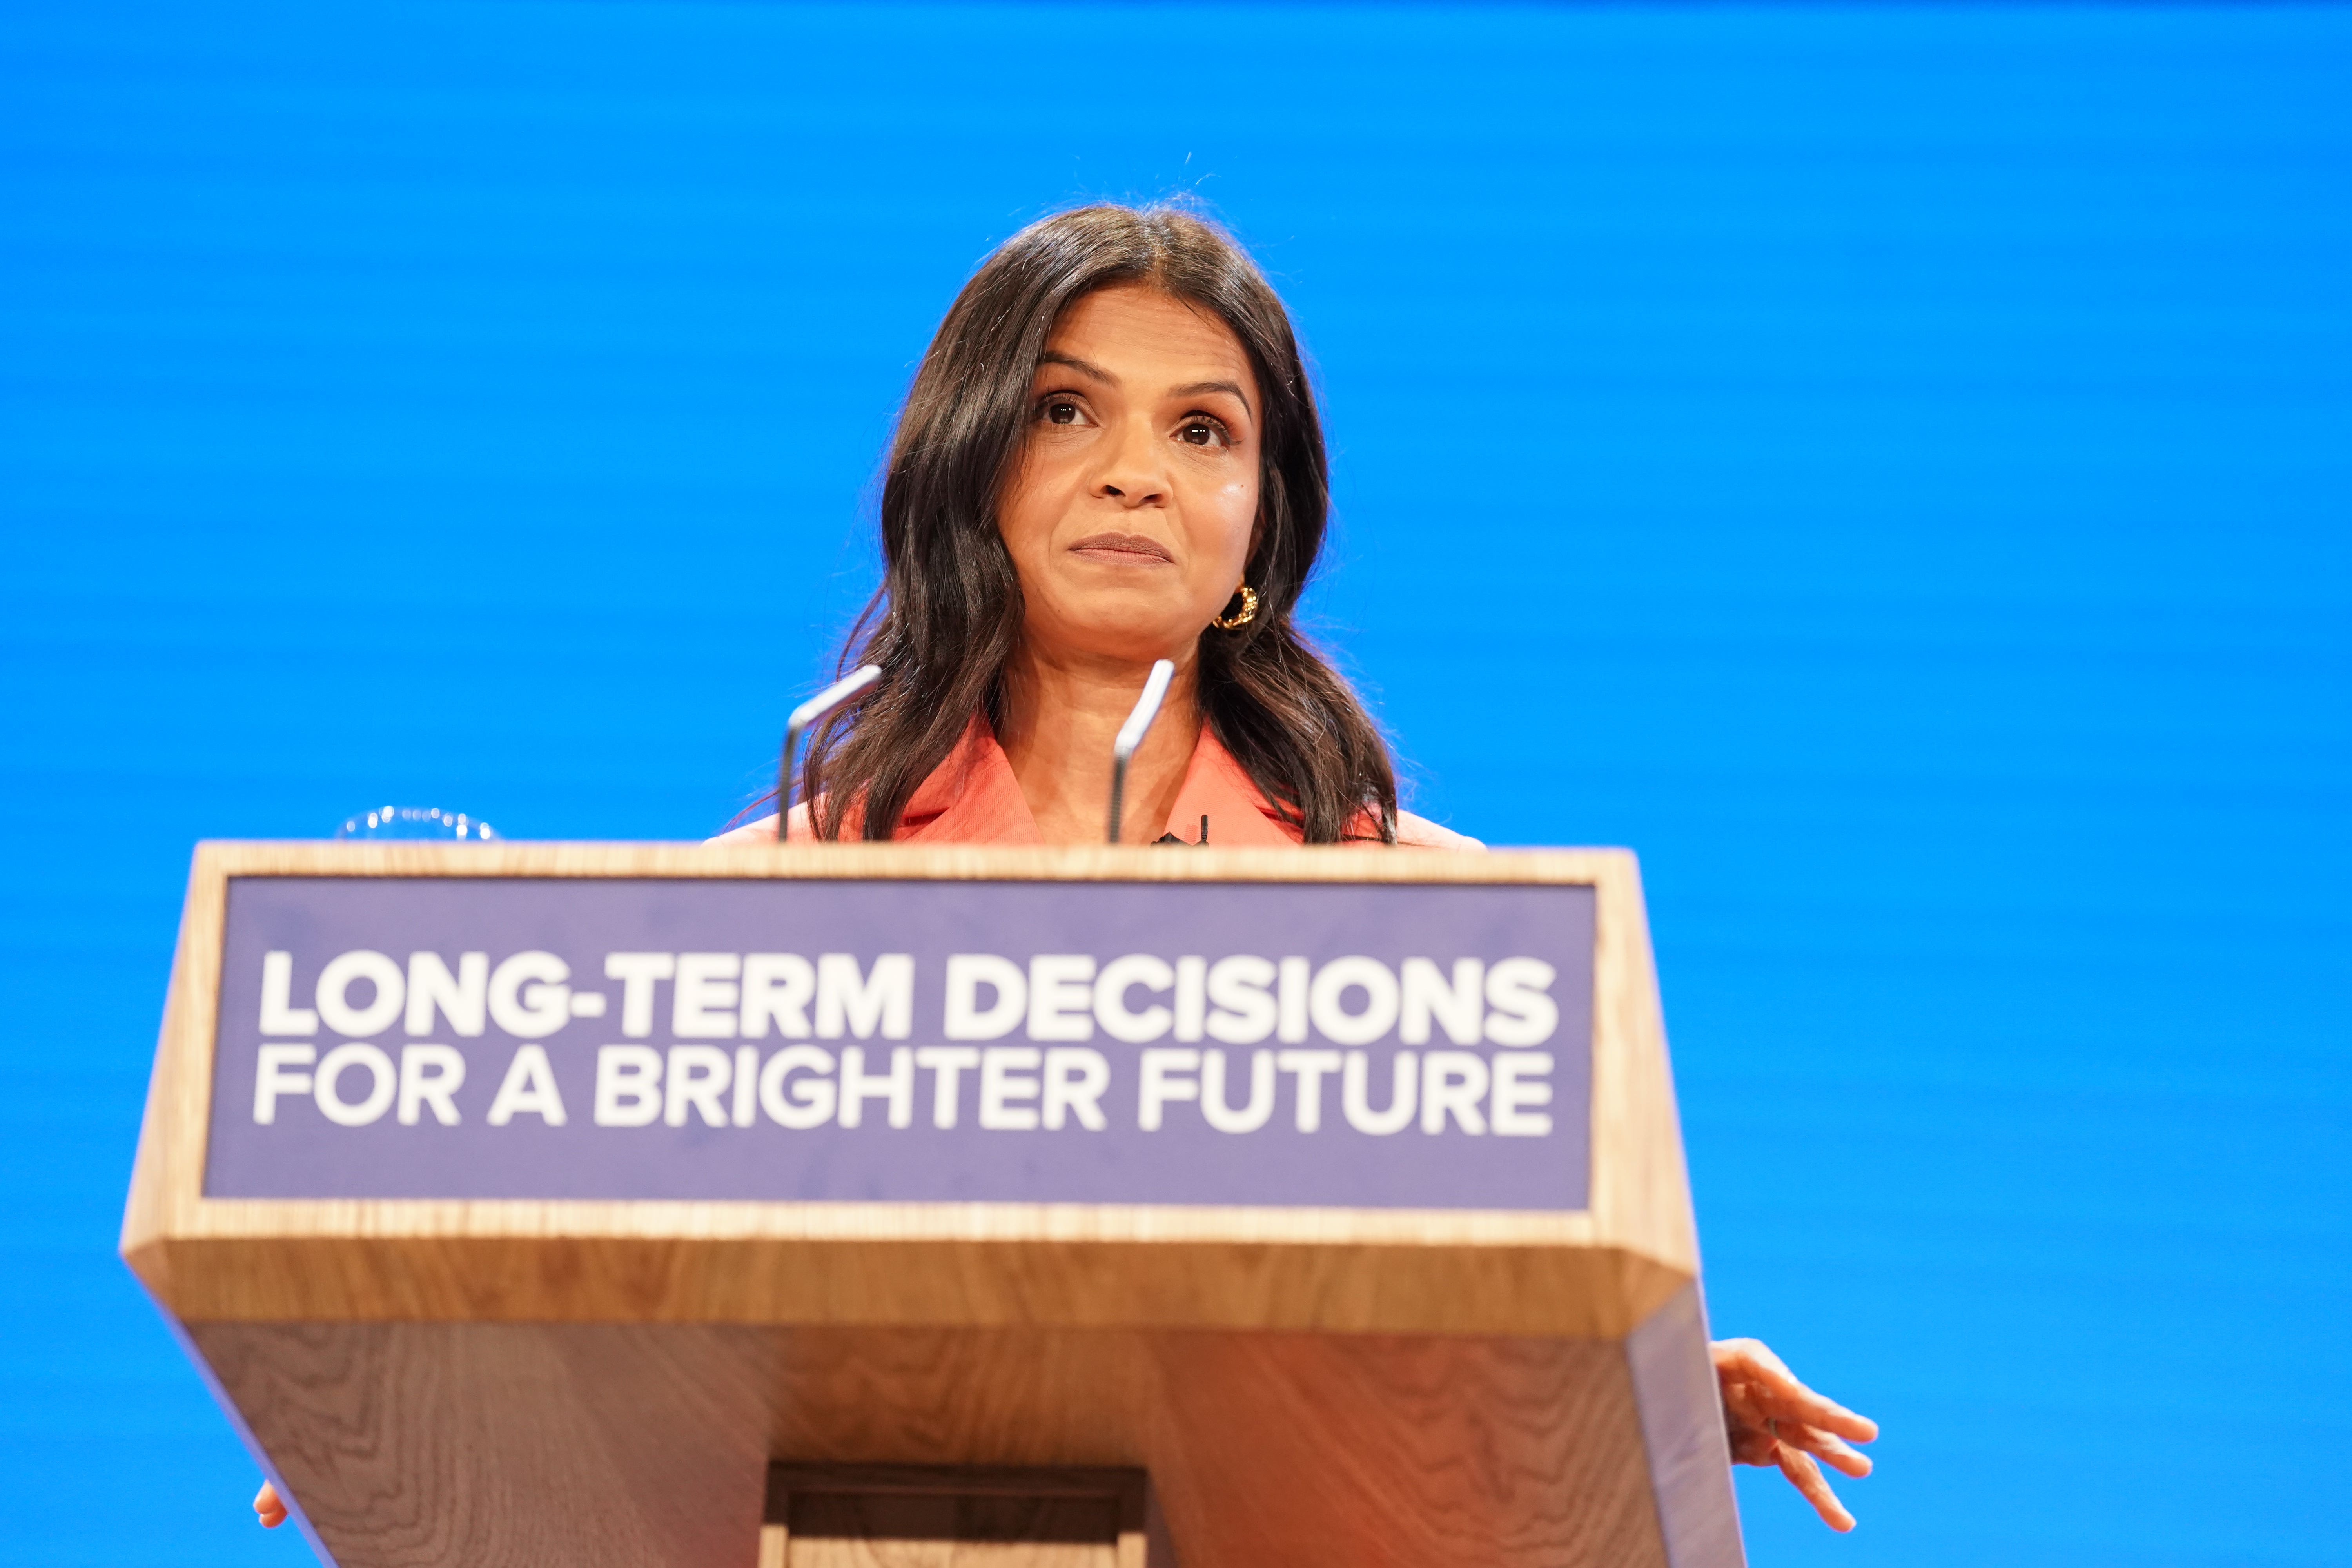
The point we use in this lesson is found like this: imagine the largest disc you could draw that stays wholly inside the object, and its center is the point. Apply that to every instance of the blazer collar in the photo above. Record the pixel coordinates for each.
(973, 798)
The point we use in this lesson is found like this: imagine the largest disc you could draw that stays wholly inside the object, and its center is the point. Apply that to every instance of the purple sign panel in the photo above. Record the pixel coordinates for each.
(1378, 1045)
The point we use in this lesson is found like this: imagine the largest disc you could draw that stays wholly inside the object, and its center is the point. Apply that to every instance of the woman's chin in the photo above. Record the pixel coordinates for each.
(1135, 639)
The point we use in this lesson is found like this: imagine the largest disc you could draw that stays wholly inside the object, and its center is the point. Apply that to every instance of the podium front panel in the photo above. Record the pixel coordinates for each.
(530, 1201)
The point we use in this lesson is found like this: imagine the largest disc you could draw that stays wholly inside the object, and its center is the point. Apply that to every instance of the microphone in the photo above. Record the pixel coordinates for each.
(1131, 733)
(802, 717)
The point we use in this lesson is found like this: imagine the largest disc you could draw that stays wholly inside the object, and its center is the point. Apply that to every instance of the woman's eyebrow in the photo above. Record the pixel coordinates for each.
(1052, 356)
(1196, 388)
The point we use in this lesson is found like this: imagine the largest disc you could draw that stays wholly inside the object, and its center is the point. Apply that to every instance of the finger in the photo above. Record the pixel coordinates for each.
(1826, 1446)
(1796, 1403)
(271, 1511)
(1770, 1384)
(1806, 1477)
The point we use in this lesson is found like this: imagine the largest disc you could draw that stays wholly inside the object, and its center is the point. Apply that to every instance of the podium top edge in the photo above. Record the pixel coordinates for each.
(961, 862)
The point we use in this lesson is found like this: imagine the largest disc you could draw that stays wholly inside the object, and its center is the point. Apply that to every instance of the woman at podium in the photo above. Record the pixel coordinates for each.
(1112, 457)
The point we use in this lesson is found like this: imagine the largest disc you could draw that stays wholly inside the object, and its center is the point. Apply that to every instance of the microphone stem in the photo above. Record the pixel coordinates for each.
(1130, 736)
(802, 717)
(1118, 793)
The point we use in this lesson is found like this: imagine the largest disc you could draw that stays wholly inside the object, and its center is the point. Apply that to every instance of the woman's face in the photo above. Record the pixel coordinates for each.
(1129, 517)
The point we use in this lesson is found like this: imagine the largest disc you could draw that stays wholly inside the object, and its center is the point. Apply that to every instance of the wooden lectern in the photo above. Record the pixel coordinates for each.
(841, 1204)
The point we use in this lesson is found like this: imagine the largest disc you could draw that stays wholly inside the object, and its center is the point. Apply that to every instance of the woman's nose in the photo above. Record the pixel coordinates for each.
(1134, 471)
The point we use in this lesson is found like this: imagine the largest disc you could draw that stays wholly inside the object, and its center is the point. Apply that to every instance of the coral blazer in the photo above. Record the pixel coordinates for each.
(973, 798)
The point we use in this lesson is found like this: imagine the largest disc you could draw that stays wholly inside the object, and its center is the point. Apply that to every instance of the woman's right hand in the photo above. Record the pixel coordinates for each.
(1773, 1419)
(272, 1512)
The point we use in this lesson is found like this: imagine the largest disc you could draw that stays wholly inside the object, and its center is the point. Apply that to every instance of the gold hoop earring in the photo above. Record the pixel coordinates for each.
(1249, 608)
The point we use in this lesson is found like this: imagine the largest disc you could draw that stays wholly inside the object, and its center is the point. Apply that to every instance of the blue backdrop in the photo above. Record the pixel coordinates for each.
(1888, 465)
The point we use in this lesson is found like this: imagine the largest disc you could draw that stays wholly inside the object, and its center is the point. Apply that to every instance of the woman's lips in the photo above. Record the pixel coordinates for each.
(1132, 549)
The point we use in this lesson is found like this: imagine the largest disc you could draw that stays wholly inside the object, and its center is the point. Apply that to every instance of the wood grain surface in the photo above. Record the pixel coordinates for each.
(1267, 1447)
(417, 1444)
(424, 1444)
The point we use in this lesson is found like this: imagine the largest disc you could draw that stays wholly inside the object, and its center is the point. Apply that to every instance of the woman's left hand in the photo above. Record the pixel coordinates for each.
(1773, 1419)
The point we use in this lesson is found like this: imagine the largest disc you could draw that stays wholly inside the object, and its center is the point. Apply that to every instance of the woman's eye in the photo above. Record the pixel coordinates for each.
(1061, 411)
(1200, 432)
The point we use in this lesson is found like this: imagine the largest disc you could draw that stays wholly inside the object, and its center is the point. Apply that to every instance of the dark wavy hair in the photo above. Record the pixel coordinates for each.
(949, 613)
